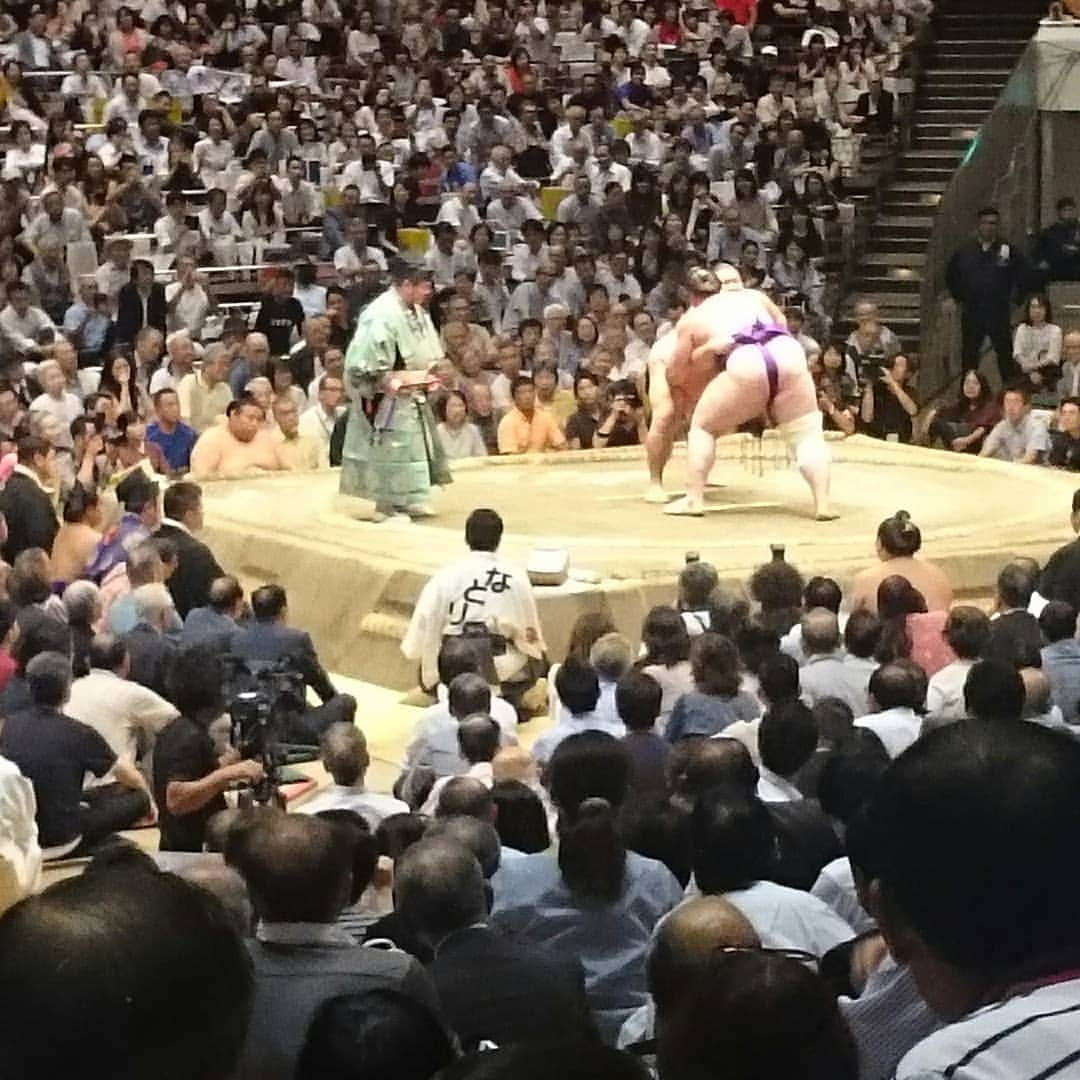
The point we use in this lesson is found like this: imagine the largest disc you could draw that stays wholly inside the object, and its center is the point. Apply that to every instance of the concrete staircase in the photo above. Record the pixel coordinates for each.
(975, 46)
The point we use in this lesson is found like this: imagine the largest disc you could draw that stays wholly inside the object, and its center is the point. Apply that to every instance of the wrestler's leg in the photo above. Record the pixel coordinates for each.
(725, 404)
(661, 437)
(795, 410)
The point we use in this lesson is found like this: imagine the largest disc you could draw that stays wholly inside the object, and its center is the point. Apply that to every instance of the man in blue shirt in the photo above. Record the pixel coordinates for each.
(87, 323)
(169, 433)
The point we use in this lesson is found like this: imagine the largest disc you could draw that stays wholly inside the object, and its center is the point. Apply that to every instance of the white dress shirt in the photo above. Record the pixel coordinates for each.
(20, 854)
(896, 728)
(120, 711)
(370, 805)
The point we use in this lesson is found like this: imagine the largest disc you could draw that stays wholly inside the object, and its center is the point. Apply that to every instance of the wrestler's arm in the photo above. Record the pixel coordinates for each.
(713, 349)
(683, 353)
(775, 313)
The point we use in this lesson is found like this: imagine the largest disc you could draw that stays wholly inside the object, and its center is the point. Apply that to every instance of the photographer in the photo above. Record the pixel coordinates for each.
(624, 425)
(268, 640)
(189, 777)
(888, 405)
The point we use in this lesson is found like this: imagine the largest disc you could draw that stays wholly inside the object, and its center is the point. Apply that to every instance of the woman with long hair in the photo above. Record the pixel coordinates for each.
(717, 699)
(963, 425)
(909, 631)
(666, 646)
(594, 900)
(118, 379)
(1037, 344)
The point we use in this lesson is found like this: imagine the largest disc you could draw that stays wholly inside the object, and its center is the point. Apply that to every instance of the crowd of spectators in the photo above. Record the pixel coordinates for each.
(823, 832)
(810, 831)
(198, 204)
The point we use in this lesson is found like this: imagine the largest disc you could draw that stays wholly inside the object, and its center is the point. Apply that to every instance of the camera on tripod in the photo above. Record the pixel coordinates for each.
(262, 697)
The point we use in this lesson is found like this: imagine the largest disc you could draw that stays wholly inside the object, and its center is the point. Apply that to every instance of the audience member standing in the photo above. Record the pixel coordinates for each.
(985, 275)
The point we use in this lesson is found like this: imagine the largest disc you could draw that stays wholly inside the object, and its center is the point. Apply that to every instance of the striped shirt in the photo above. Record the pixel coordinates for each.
(1030, 1036)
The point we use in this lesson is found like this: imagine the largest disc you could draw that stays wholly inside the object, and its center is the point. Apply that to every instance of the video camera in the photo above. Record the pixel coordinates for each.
(262, 697)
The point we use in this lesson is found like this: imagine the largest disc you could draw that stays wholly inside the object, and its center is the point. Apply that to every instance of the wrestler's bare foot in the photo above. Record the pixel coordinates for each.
(656, 495)
(825, 513)
(422, 510)
(685, 507)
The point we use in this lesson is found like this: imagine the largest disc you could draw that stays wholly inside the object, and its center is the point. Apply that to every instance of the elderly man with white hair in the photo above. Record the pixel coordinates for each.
(83, 608)
(150, 651)
(55, 400)
(262, 390)
(180, 350)
(205, 394)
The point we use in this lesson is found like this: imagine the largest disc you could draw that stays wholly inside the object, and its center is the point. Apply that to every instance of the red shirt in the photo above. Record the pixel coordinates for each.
(742, 11)
(7, 668)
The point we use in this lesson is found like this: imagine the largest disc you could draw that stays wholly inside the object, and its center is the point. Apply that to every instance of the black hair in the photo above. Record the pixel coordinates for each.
(356, 832)
(757, 643)
(30, 447)
(897, 598)
(298, 867)
(967, 631)
(483, 530)
(372, 1035)
(895, 686)
(197, 681)
(862, 634)
(638, 700)
(181, 498)
(1057, 621)
(958, 806)
(778, 587)
(468, 693)
(398, 832)
(107, 651)
(714, 661)
(734, 840)
(756, 1014)
(115, 929)
(48, 678)
(577, 687)
(79, 502)
(40, 635)
(787, 737)
(1015, 585)
(478, 738)
(665, 637)
(466, 796)
(852, 774)
(268, 602)
(822, 592)
(779, 679)
(457, 656)
(7, 616)
(661, 831)
(994, 690)
(899, 536)
(588, 776)
(521, 820)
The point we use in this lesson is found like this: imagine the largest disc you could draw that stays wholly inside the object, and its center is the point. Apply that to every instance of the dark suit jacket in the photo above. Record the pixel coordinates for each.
(129, 312)
(151, 658)
(196, 569)
(270, 642)
(805, 840)
(884, 118)
(31, 520)
(204, 625)
(1015, 636)
(494, 988)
